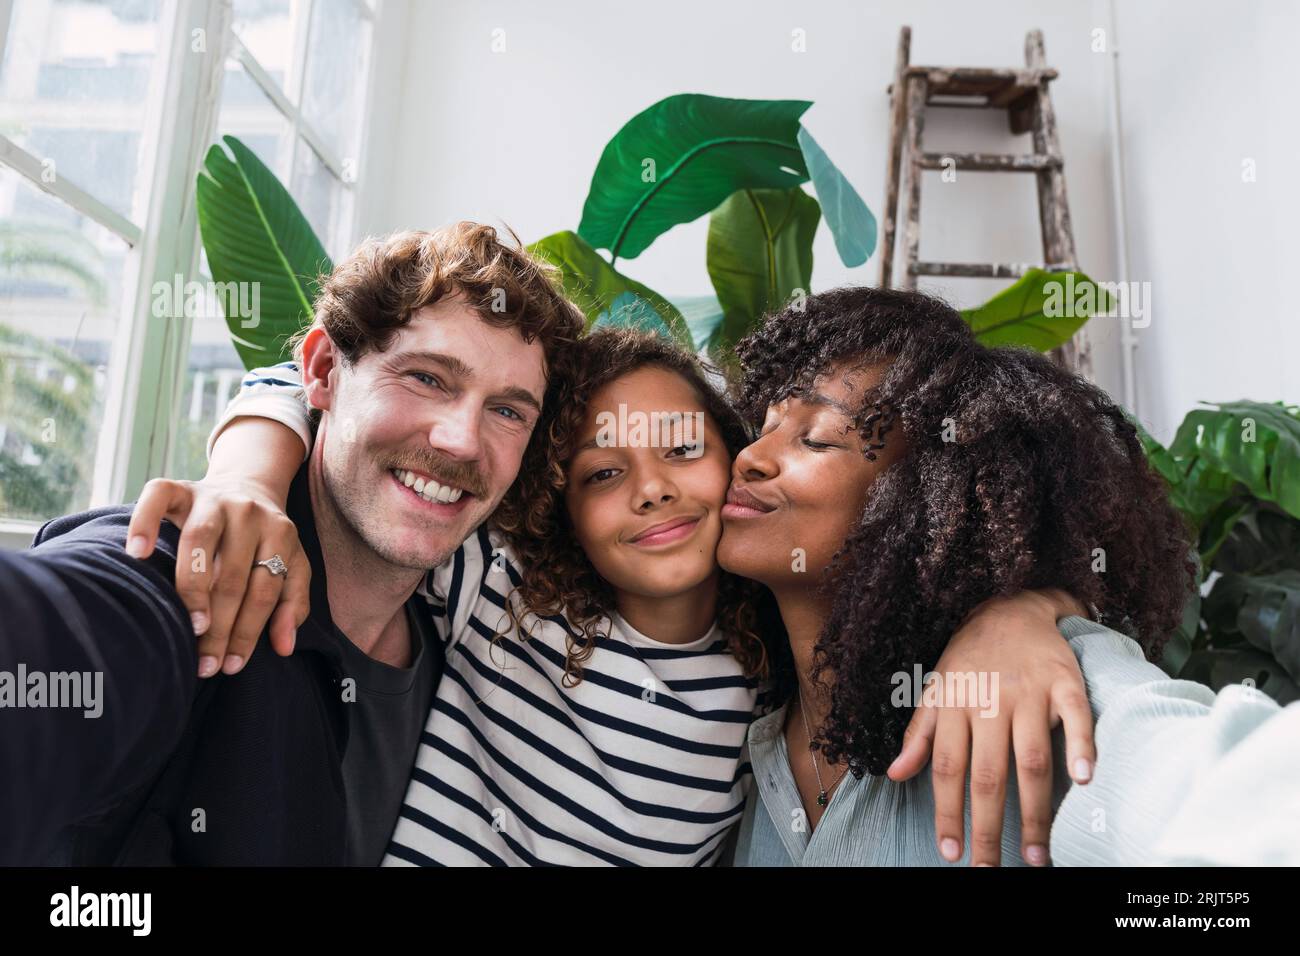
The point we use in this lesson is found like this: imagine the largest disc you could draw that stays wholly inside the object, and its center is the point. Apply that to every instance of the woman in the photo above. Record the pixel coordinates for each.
(920, 473)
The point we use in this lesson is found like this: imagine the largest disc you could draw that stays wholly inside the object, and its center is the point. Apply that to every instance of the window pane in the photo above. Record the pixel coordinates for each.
(211, 380)
(248, 114)
(75, 86)
(60, 303)
(323, 199)
(267, 28)
(336, 71)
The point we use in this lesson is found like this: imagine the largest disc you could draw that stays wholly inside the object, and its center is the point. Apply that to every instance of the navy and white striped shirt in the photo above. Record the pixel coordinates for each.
(639, 764)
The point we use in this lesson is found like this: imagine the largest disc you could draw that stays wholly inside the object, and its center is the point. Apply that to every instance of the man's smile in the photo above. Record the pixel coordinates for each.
(445, 499)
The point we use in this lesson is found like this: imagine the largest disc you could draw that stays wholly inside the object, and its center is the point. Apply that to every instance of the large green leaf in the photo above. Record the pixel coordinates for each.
(680, 158)
(703, 315)
(1041, 310)
(850, 221)
(1235, 665)
(594, 285)
(1264, 541)
(759, 253)
(1180, 644)
(1256, 443)
(255, 236)
(630, 311)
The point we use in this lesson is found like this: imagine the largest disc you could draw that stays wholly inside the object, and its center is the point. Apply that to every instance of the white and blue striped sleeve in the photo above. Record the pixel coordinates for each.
(1184, 776)
(273, 392)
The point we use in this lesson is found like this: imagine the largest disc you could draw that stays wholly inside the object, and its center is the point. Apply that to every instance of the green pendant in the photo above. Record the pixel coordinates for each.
(821, 799)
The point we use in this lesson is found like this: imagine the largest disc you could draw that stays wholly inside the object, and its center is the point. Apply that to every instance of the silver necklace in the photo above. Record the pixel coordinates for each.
(822, 798)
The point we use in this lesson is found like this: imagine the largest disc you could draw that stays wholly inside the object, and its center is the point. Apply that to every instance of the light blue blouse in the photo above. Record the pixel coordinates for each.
(1154, 796)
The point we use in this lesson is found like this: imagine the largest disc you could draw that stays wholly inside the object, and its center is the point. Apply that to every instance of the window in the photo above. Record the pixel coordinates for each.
(75, 86)
(60, 298)
(96, 394)
(290, 94)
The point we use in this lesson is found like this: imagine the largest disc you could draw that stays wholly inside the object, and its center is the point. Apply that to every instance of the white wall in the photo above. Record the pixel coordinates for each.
(514, 136)
(1204, 87)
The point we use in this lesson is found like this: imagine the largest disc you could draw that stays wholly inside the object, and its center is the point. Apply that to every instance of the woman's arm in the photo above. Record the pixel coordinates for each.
(237, 511)
(1038, 686)
(1184, 776)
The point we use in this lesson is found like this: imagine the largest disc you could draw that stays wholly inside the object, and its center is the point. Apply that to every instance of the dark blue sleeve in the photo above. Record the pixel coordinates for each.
(102, 630)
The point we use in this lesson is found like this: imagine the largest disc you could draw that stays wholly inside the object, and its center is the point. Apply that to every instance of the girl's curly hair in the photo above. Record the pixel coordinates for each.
(558, 578)
(1016, 475)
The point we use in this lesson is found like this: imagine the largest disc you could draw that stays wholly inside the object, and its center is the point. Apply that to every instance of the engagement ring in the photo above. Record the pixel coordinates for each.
(275, 564)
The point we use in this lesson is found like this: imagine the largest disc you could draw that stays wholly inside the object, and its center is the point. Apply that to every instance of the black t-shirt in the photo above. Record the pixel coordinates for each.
(385, 720)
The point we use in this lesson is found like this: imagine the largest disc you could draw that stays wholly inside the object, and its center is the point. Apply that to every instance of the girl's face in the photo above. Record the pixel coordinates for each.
(798, 491)
(647, 484)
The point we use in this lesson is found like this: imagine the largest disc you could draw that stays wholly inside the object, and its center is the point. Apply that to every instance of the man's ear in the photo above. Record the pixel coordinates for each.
(321, 361)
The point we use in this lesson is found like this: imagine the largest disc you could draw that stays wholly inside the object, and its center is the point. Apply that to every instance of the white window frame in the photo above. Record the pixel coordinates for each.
(141, 410)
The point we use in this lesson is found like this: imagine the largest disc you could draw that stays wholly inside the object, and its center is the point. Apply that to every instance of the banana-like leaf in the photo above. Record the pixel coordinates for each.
(1256, 443)
(594, 285)
(680, 158)
(759, 253)
(850, 221)
(1041, 310)
(631, 311)
(703, 315)
(256, 237)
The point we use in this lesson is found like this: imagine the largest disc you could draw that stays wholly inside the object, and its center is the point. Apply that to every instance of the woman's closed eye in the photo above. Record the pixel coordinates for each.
(819, 445)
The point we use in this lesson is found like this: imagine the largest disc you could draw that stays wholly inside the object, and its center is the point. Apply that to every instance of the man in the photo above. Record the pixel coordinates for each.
(434, 354)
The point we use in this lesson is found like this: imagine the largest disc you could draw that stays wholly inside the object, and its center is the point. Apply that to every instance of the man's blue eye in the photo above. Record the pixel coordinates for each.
(506, 408)
(425, 378)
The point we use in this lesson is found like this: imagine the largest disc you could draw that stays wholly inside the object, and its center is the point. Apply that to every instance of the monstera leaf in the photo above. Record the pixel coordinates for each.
(256, 237)
(595, 286)
(759, 253)
(1041, 310)
(1258, 444)
(1237, 665)
(680, 158)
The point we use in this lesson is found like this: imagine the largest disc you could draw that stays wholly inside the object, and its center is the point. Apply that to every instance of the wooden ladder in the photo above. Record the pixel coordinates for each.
(1023, 93)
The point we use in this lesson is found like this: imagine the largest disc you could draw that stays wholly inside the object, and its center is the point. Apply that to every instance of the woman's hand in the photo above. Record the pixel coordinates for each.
(1039, 686)
(226, 526)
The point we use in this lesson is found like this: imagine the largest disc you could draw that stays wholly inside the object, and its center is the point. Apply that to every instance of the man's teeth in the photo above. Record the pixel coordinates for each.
(428, 489)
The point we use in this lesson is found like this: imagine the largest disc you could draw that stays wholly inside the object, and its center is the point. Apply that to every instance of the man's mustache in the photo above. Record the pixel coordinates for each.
(446, 471)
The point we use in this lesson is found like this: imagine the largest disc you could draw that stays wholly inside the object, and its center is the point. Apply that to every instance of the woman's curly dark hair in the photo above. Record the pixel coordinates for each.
(1016, 474)
(558, 577)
